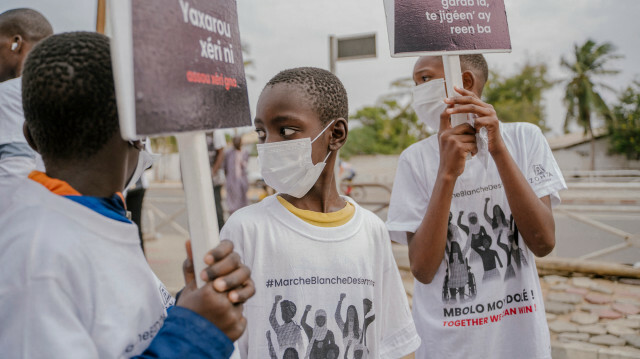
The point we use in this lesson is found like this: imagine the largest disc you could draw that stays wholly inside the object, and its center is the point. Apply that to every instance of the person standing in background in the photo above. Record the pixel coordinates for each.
(216, 144)
(235, 170)
(73, 282)
(20, 31)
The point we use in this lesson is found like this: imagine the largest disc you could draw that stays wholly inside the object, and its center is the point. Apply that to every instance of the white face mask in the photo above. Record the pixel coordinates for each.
(287, 166)
(145, 160)
(428, 102)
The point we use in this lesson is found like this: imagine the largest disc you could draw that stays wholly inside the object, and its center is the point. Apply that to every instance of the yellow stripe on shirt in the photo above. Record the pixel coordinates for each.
(319, 219)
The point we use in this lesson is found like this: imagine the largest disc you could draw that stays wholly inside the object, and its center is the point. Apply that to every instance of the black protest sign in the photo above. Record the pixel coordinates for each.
(188, 66)
(455, 26)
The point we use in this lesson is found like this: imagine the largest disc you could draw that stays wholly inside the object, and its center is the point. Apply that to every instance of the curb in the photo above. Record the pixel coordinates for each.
(579, 350)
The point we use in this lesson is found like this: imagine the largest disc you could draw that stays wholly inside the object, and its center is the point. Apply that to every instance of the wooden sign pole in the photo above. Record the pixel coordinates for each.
(453, 77)
(101, 16)
(198, 189)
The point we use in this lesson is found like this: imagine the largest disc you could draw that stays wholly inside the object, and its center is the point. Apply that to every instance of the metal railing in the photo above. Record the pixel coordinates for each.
(158, 219)
(359, 192)
(375, 197)
(602, 176)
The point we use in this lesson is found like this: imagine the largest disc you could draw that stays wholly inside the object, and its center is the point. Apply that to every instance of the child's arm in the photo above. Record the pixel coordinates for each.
(532, 214)
(426, 246)
(228, 286)
(206, 320)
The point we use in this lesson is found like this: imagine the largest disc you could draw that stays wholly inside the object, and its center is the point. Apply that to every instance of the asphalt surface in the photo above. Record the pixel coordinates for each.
(588, 222)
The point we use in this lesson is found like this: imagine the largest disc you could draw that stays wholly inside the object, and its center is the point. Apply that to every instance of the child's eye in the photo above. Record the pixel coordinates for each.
(426, 78)
(285, 131)
(261, 134)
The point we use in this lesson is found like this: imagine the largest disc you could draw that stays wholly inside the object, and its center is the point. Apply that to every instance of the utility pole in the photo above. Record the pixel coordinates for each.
(349, 48)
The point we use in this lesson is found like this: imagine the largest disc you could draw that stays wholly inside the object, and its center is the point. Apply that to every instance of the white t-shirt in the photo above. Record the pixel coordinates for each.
(502, 314)
(215, 141)
(11, 114)
(295, 264)
(74, 283)
(11, 121)
(19, 166)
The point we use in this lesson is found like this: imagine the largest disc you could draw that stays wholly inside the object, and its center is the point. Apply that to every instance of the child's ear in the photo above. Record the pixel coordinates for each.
(468, 80)
(339, 134)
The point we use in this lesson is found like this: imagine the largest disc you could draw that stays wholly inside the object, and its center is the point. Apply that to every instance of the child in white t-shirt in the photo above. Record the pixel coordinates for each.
(473, 226)
(314, 253)
(74, 281)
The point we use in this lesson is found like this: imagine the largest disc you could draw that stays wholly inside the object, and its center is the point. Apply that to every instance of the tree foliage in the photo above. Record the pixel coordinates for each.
(582, 96)
(624, 129)
(518, 98)
(387, 128)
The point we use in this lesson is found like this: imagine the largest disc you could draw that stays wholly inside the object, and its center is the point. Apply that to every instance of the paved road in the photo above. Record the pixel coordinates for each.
(589, 221)
(581, 227)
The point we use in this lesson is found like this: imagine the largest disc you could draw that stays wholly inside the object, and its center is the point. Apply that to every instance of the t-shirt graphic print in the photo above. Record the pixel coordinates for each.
(321, 340)
(321, 292)
(486, 290)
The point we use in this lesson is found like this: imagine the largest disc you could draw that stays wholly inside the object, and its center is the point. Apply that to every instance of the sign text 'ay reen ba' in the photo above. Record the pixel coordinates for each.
(188, 66)
(447, 26)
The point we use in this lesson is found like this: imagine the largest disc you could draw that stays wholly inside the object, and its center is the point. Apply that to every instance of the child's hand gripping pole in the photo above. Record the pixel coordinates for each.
(453, 77)
(198, 189)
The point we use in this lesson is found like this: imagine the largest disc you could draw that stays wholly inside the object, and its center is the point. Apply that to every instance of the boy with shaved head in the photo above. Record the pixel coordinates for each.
(20, 31)
(74, 282)
(308, 246)
(464, 305)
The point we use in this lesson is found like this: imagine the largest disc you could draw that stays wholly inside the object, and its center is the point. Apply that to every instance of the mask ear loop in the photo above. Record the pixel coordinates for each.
(328, 154)
(321, 132)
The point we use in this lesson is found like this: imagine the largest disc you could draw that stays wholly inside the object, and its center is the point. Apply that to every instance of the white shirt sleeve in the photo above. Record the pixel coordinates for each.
(11, 113)
(17, 166)
(542, 171)
(40, 320)
(399, 336)
(219, 140)
(232, 231)
(409, 200)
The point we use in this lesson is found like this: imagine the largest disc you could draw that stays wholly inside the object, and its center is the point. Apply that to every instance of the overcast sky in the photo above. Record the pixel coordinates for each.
(290, 33)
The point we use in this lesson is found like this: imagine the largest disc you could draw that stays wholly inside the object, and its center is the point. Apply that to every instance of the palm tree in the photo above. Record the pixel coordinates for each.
(248, 62)
(582, 97)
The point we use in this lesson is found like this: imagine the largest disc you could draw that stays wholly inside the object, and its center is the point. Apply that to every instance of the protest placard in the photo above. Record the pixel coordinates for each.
(178, 69)
(185, 63)
(449, 28)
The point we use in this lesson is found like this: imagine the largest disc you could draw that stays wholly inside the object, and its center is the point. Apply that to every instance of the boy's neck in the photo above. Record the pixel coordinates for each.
(101, 175)
(89, 183)
(323, 197)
